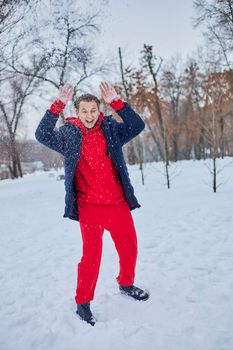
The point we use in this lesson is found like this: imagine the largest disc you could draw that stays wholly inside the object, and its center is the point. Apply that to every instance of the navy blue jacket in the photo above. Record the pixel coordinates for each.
(67, 140)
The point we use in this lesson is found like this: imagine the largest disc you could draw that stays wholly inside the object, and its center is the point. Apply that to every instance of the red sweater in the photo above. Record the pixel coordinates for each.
(96, 177)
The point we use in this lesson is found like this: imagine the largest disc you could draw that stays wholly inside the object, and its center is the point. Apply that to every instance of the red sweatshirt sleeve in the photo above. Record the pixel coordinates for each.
(57, 107)
(117, 104)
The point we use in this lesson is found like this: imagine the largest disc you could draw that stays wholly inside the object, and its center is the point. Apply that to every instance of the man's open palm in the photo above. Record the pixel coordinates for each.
(65, 93)
(108, 92)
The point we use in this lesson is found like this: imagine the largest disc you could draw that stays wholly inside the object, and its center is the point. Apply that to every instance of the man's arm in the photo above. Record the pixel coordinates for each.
(132, 123)
(46, 132)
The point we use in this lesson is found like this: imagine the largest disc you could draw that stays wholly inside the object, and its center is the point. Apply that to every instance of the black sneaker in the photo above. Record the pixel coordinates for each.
(84, 312)
(134, 292)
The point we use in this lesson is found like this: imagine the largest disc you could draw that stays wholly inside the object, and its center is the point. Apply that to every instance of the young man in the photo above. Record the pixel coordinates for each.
(99, 193)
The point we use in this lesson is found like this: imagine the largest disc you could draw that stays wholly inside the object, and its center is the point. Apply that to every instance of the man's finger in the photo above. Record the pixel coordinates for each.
(106, 87)
(103, 87)
(103, 90)
(69, 88)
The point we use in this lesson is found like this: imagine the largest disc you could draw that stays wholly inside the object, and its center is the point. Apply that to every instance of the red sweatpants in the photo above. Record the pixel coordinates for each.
(116, 219)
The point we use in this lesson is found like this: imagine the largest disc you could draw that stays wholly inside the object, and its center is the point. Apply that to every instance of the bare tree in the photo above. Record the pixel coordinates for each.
(58, 50)
(13, 11)
(11, 112)
(194, 96)
(217, 17)
(125, 80)
(135, 145)
(216, 95)
(172, 89)
(149, 62)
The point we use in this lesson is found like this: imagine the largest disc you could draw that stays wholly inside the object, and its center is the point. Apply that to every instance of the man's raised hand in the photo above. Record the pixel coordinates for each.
(108, 92)
(65, 93)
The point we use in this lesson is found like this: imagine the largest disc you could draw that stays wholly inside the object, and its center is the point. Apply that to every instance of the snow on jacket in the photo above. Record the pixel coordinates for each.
(96, 176)
(67, 140)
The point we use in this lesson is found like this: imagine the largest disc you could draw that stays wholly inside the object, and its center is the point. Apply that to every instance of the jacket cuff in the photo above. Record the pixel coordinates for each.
(57, 107)
(117, 104)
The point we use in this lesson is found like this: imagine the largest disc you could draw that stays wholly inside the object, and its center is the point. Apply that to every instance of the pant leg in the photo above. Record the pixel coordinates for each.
(88, 267)
(123, 233)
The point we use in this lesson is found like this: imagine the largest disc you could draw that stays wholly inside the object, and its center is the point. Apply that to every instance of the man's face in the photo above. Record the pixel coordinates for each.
(88, 113)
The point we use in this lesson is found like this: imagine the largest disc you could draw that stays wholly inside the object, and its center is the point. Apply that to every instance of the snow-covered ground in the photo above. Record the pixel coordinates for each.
(185, 259)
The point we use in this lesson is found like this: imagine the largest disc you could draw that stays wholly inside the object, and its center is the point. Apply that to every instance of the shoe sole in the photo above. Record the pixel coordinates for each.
(91, 323)
(129, 295)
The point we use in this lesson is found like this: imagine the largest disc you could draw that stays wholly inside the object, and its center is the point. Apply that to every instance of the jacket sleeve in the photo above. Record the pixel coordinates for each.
(131, 126)
(47, 134)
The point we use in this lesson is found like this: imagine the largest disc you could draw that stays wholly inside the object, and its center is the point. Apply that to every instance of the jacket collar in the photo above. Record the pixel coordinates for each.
(77, 122)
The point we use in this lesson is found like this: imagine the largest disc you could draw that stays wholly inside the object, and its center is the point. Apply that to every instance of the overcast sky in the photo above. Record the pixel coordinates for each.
(167, 25)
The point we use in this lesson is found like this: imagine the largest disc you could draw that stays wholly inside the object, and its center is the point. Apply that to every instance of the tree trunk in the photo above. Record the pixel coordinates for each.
(15, 168)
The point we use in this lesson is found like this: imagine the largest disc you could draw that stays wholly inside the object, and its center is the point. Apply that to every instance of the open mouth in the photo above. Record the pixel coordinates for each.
(89, 122)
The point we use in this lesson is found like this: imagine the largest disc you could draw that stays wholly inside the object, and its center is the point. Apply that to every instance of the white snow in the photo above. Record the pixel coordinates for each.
(185, 259)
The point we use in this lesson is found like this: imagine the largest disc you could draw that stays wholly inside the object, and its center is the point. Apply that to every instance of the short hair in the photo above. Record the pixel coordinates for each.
(86, 98)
